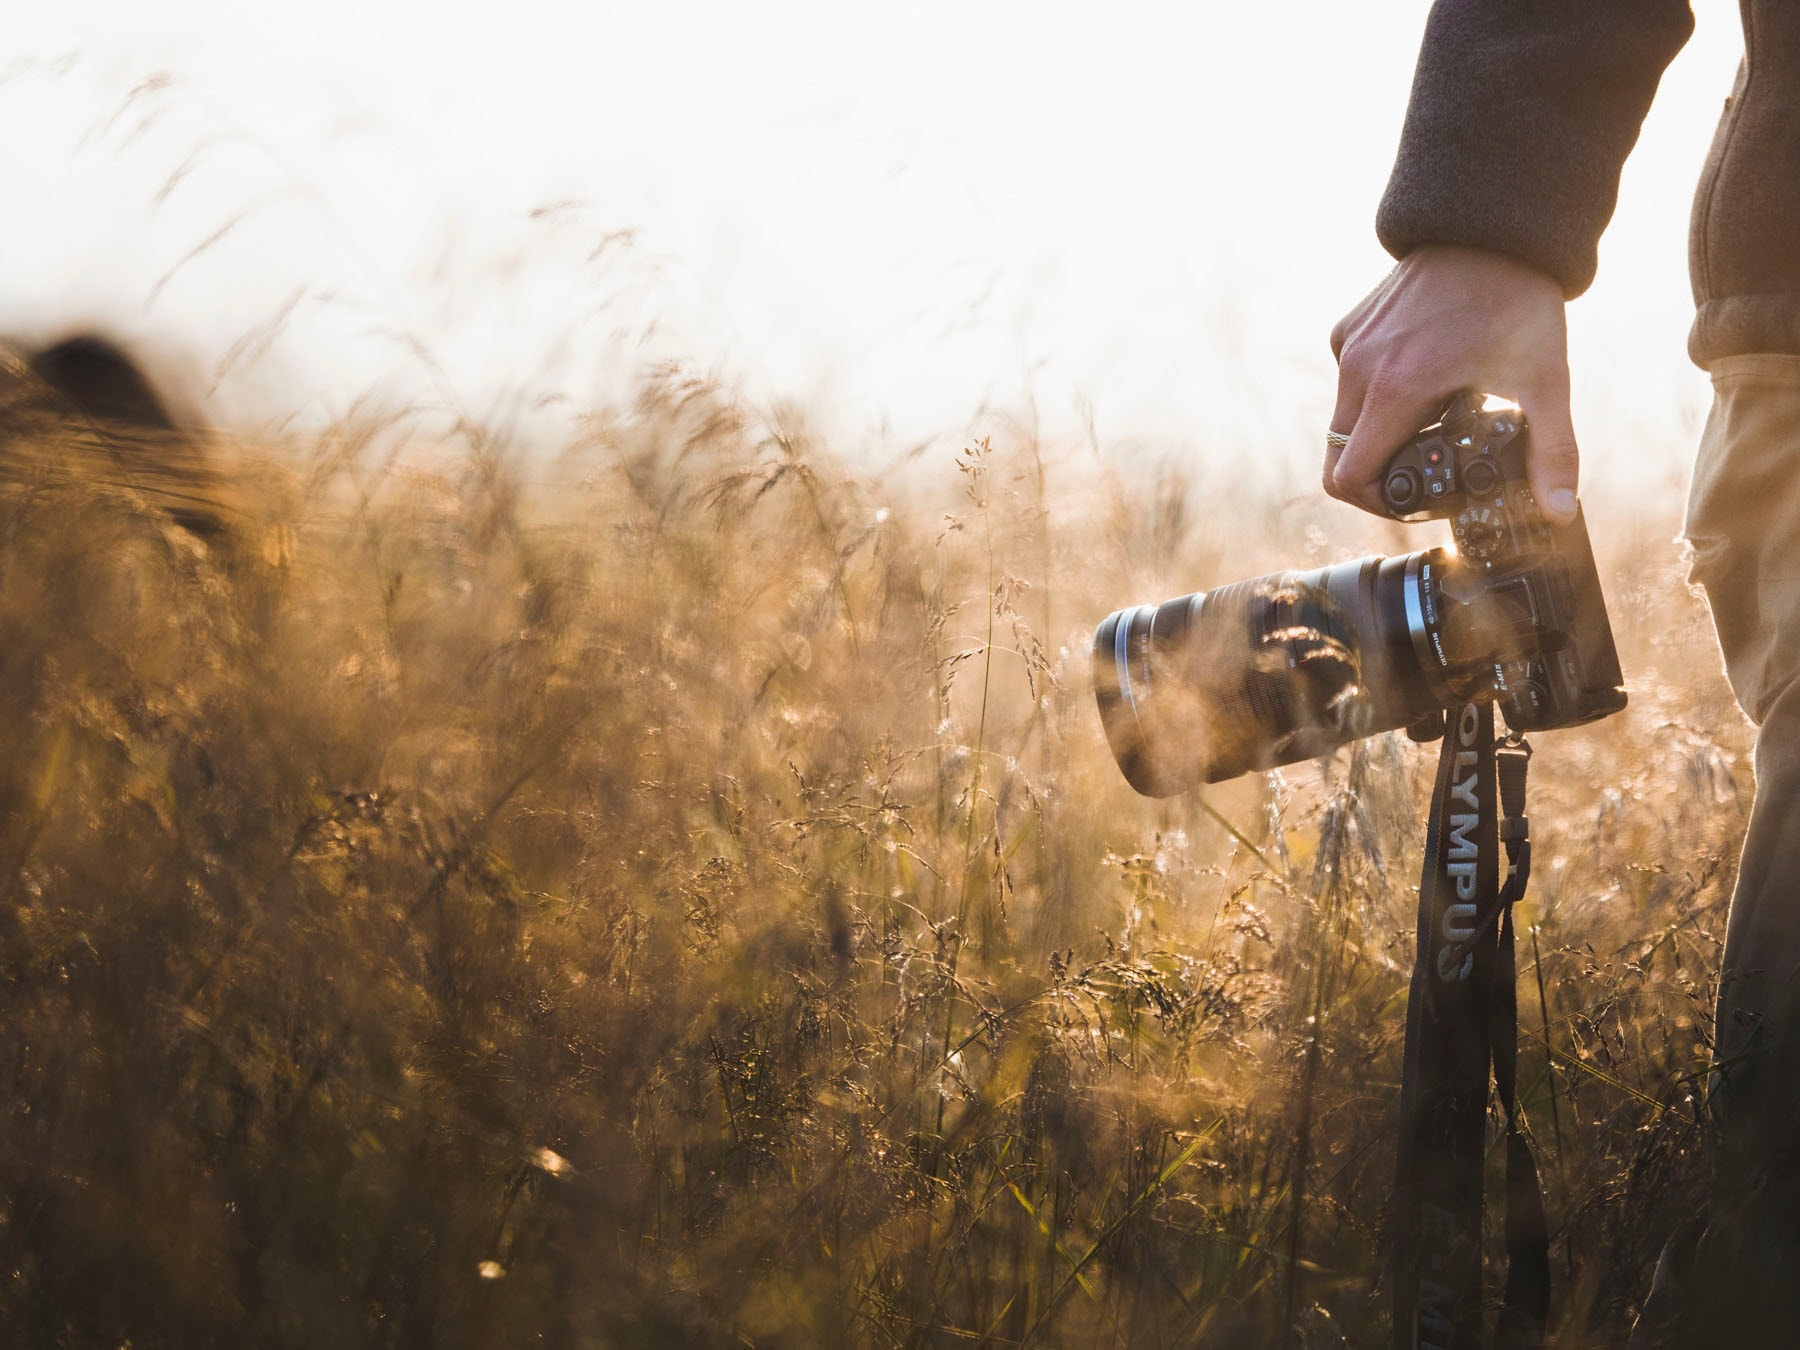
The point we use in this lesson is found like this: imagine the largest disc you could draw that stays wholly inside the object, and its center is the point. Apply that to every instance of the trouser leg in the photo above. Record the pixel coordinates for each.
(1744, 525)
(1756, 1081)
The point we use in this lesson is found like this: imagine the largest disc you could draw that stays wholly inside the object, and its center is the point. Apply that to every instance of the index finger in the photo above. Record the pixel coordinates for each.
(1382, 427)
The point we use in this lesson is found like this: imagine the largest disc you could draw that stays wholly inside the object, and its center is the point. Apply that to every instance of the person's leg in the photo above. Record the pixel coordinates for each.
(1744, 525)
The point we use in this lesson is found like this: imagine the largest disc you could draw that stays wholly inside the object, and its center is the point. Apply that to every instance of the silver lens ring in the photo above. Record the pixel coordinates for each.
(1423, 631)
(1122, 656)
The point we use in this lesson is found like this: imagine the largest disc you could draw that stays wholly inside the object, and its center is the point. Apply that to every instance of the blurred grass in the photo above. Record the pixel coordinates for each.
(674, 892)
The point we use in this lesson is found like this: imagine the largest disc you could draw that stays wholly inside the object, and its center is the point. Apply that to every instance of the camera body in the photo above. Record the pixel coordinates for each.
(1517, 615)
(1289, 666)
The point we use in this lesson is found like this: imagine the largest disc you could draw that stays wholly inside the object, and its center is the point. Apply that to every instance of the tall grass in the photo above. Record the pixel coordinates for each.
(674, 892)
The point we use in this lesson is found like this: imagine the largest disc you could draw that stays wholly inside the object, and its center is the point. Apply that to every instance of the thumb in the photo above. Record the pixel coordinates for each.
(1553, 461)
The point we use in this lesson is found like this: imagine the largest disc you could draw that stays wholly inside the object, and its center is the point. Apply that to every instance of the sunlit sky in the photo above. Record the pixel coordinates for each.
(1142, 218)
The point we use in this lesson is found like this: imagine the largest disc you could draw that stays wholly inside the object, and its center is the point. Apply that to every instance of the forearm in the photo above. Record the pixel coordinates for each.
(1522, 115)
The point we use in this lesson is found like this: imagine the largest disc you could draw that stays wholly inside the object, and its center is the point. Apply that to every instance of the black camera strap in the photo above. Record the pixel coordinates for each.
(1462, 1023)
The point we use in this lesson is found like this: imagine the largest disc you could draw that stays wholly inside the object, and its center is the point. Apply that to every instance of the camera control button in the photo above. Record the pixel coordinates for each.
(1402, 490)
(1533, 700)
(1480, 476)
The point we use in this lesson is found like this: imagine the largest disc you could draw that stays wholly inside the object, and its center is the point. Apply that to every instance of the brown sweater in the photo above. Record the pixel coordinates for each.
(1523, 112)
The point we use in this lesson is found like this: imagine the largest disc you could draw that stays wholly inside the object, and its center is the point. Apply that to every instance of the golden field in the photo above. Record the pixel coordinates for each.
(671, 889)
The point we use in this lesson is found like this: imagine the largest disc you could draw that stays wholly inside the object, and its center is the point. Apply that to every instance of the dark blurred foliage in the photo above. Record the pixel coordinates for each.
(673, 892)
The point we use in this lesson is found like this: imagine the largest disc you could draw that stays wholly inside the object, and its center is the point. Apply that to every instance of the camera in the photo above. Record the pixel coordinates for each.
(1292, 665)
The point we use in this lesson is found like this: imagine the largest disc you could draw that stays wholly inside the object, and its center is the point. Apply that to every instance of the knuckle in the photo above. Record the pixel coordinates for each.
(1387, 383)
(1346, 481)
(1353, 358)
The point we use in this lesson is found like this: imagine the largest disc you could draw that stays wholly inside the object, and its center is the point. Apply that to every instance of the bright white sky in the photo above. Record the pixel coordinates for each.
(1146, 214)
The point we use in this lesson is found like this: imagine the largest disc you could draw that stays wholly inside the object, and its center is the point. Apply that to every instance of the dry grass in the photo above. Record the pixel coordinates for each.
(679, 895)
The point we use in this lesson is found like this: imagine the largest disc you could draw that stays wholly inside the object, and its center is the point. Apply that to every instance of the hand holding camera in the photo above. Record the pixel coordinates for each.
(1451, 317)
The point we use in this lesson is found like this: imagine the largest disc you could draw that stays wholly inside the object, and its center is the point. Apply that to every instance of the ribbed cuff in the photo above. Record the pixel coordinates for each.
(1743, 325)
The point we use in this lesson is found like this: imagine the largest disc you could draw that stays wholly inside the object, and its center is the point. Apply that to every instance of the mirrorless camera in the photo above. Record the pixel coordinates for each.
(1291, 665)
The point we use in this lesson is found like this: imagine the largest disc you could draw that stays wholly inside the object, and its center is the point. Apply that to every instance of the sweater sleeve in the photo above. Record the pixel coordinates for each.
(1522, 114)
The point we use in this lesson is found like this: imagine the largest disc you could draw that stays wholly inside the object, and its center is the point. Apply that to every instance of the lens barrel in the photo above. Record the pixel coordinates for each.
(1269, 671)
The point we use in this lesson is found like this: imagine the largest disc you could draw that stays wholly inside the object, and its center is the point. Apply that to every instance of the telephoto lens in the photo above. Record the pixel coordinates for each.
(1264, 672)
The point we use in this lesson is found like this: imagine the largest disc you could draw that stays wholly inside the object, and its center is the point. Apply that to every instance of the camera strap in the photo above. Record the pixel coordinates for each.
(1462, 1024)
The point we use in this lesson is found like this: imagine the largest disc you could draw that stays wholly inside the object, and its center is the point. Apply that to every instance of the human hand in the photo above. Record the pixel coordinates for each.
(1450, 318)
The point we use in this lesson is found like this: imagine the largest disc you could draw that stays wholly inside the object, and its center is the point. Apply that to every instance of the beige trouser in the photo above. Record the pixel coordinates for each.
(1732, 1278)
(1743, 521)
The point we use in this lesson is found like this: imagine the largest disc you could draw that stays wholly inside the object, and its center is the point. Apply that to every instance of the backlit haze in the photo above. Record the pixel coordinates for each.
(1141, 221)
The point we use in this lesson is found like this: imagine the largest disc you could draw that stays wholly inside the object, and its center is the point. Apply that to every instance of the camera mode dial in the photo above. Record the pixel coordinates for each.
(1479, 532)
